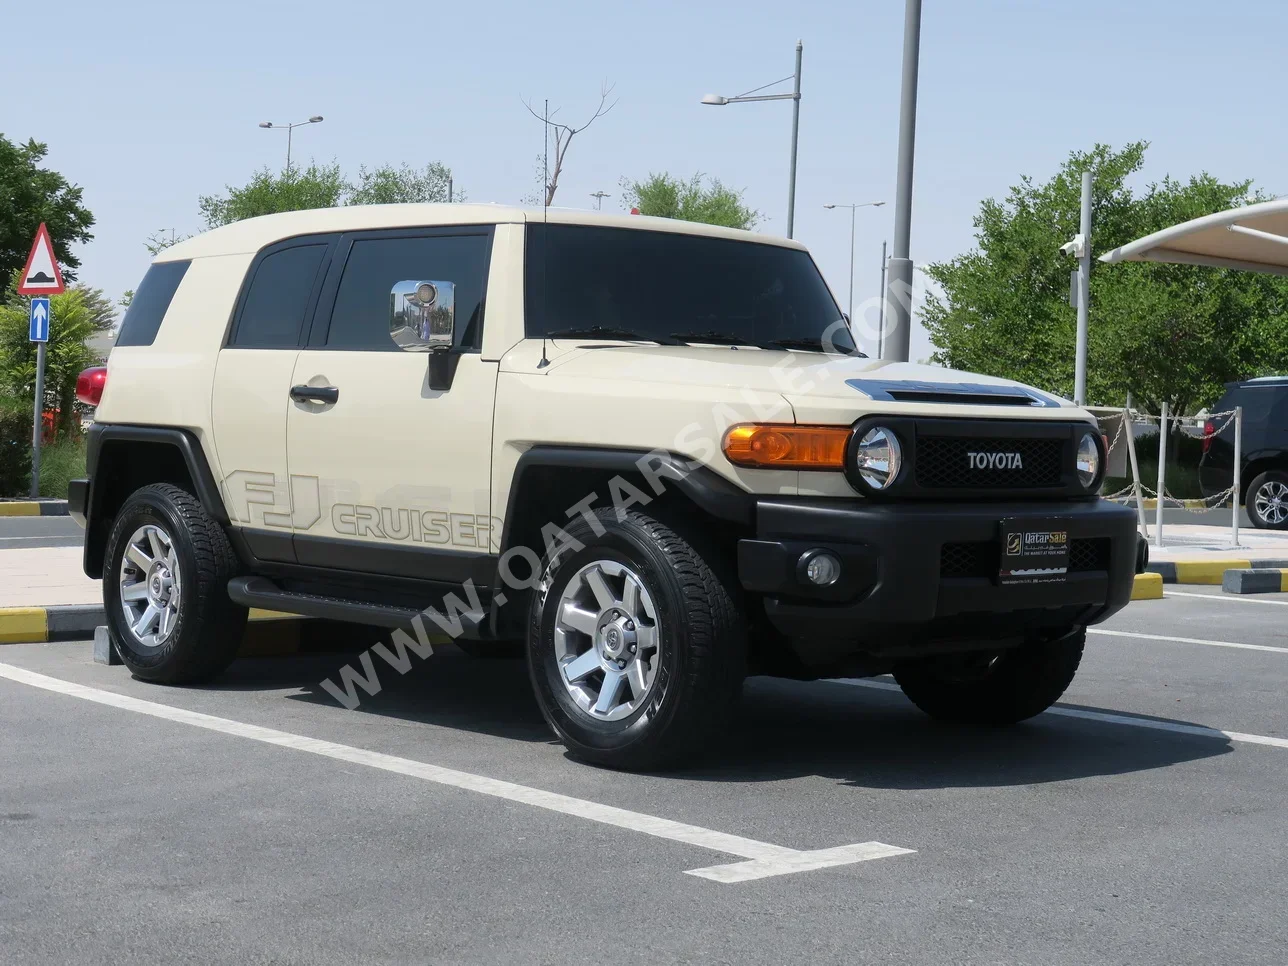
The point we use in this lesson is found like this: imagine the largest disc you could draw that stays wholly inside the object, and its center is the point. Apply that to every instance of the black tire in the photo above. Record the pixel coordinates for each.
(702, 645)
(993, 688)
(1277, 481)
(208, 626)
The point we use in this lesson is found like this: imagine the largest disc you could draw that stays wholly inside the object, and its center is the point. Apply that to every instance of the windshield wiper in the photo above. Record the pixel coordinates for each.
(809, 345)
(606, 332)
(716, 338)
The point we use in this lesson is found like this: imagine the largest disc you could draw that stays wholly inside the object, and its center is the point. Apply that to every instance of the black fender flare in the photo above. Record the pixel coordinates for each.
(184, 441)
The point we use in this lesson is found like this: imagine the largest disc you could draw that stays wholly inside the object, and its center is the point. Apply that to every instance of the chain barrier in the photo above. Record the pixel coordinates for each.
(1128, 420)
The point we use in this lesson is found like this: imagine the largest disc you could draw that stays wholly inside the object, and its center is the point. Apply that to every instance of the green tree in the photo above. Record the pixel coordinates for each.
(30, 194)
(317, 186)
(387, 185)
(1170, 333)
(664, 196)
(75, 316)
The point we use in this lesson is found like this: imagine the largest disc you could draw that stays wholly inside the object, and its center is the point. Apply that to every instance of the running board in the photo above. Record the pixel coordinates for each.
(262, 592)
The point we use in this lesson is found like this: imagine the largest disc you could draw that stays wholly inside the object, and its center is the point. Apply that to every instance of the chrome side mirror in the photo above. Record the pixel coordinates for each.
(422, 316)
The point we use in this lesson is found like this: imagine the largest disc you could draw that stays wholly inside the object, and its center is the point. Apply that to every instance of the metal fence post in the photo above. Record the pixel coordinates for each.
(1238, 459)
(1162, 464)
(1135, 472)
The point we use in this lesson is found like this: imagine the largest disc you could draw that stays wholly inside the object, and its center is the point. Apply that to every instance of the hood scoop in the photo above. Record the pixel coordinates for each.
(959, 393)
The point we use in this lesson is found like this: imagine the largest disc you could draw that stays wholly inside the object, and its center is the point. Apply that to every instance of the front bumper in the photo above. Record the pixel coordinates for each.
(918, 577)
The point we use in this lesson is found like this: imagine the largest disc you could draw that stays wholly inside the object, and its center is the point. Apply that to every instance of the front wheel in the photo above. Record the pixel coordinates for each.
(1268, 501)
(636, 648)
(995, 688)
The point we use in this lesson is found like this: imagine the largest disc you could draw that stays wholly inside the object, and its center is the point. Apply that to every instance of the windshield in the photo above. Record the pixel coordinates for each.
(667, 287)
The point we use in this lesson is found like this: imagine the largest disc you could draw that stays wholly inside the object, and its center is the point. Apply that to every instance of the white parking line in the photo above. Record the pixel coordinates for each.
(764, 859)
(1189, 640)
(1227, 598)
(1108, 718)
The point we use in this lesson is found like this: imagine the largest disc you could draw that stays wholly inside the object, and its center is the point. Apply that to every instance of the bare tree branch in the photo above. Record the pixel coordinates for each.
(564, 133)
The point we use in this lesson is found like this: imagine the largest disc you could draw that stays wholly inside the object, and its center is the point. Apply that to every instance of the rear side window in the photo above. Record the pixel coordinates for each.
(148, 307)
(273, 313)
(360, 318)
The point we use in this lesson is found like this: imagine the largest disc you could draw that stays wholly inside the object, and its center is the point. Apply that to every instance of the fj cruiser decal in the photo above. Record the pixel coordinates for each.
(259, 499)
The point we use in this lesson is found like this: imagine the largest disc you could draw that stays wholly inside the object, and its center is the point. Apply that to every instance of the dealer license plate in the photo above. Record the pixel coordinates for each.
(1034, 551)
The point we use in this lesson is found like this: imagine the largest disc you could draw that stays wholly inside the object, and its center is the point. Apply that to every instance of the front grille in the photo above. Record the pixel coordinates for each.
(982, 558)
(944, 462)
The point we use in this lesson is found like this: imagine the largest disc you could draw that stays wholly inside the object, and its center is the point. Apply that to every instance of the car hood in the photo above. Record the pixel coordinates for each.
(818, 387)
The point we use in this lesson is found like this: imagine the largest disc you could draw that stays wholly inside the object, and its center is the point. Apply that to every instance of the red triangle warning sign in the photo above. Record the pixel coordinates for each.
(41, 275)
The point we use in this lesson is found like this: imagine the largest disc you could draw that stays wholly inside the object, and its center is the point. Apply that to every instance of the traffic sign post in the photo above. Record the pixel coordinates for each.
(41, 278)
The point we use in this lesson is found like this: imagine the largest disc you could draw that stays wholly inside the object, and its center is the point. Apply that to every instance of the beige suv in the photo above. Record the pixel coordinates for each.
(646, 454)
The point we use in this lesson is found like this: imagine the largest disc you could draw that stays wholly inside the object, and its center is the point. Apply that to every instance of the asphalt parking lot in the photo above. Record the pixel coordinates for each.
(27, 532)
(440, 823)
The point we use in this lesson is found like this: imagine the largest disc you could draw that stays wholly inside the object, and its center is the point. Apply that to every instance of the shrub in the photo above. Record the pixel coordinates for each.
(15, 447)
(59, 464)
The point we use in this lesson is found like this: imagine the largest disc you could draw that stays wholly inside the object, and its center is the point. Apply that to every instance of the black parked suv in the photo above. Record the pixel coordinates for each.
(1263, 476)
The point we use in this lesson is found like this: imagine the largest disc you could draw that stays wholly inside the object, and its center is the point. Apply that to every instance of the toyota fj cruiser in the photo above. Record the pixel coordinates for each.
(646, 451)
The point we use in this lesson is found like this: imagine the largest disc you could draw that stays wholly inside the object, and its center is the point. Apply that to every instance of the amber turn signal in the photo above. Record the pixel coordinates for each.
(787, 446)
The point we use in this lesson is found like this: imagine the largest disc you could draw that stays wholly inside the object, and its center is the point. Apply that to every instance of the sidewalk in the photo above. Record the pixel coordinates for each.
(45, 577)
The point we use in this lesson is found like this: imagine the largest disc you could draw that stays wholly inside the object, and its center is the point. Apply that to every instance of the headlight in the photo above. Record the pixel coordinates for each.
(1088, 461)
(877, 457)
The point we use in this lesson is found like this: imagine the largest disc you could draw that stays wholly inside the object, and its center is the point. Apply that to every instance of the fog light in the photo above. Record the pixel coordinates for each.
(822, 569)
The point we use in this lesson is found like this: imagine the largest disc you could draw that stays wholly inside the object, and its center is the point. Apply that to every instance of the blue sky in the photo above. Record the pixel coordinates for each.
(149, 105)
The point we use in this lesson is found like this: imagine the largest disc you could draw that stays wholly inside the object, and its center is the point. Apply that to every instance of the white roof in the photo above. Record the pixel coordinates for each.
(1253, 238)
(253, 234)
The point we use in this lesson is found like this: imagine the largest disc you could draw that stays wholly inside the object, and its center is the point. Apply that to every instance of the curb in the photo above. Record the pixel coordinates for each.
(1261, 581)
(76, 622)
(33, 508)
(1147, 586)
(1207, 571)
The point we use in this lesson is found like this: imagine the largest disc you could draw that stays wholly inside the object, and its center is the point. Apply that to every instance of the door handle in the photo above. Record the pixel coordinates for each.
(324, 394)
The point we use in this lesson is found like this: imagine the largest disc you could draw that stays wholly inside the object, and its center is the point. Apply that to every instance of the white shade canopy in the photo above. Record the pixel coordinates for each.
(1253, 238)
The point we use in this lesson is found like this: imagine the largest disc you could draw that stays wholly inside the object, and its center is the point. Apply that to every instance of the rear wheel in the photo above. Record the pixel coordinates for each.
(1267, 501)
(636, 649)
(995, 688)
(165, 577)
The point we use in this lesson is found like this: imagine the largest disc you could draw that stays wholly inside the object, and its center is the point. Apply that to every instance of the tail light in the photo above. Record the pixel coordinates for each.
(89, 385)
(1209, 430)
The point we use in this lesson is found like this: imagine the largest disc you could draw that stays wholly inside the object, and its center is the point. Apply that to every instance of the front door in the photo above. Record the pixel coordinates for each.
(396, 475)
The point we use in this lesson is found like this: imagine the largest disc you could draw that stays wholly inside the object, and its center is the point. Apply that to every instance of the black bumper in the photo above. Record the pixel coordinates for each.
(917, 577)
(78, 500)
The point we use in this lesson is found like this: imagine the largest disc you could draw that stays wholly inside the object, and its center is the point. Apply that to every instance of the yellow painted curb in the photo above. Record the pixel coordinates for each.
(259, 614)
(20, 624)
(19, 509)
(1207, 571)
(1148, 587)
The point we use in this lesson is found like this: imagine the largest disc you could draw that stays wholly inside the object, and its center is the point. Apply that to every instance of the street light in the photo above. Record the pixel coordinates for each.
(315, 119)
(716, 100)
(853, 209)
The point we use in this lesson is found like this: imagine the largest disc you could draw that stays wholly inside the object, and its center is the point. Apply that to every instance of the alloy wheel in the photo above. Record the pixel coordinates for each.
(607, 640)
(149, 585)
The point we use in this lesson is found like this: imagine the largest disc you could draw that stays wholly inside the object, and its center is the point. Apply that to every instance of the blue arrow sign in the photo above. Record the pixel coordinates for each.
(39, 331)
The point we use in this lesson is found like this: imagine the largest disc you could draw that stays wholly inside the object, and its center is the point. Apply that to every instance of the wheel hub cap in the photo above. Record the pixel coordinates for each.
(606, 640)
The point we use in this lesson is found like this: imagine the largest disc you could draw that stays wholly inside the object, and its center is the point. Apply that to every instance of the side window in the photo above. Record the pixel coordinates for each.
(273, 314)
(148, 307)
(360, 318)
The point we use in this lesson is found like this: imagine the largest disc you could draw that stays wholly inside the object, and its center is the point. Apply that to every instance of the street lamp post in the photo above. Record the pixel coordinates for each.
(315, 119)
(717, 100)
(853, 208)
(899, 287)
